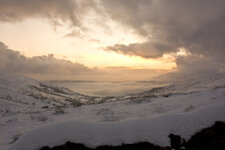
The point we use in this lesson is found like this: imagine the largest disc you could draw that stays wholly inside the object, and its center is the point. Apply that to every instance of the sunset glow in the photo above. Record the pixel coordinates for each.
(53, 39)
(36, 37)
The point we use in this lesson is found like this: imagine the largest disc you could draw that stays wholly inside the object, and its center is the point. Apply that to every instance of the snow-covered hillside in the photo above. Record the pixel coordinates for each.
(182, 107)
(30, 92)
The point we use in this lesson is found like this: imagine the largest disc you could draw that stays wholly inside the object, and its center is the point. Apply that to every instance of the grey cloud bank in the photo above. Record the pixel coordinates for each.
(51, 68)
(195, 25)
(57, 11)
(13, 61)
(168, 25)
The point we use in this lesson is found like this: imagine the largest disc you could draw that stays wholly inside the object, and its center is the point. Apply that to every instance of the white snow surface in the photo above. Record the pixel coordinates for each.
(154, 130)
(35, 114)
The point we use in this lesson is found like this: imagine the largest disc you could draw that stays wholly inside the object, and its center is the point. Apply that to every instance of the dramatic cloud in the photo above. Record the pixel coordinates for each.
(55, 10)
(147, 50)
(197, 25)
(166, 25)
(196, 64)
(13, 61)
(51, 68)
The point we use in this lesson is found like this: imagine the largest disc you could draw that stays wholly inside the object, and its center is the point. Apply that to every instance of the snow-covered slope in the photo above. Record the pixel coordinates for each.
(154, 130)
(185, 106)
(27, 91)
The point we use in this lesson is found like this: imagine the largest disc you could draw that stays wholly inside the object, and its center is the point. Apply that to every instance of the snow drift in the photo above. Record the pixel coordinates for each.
(154, 130)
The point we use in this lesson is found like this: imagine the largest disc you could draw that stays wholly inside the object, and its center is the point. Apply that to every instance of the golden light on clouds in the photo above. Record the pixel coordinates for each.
(36, 37)
(112, 59)
(101, 34)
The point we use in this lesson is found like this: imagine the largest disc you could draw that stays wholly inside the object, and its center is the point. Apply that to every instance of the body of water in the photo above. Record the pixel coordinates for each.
(95, 88)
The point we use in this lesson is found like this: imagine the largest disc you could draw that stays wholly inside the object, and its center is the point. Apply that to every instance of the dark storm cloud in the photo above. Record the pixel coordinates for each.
(197, 25)
(14, 62)
(147, 50)
(55, 10)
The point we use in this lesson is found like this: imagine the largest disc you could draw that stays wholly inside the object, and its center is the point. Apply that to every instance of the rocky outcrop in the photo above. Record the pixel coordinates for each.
(212, 138)
(136, 146)
(176, 142)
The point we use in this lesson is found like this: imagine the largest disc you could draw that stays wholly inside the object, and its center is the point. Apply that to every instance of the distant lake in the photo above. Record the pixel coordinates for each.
(95, 88)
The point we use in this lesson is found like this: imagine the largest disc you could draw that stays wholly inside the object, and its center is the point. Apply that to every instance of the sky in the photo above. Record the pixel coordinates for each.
(111, 39)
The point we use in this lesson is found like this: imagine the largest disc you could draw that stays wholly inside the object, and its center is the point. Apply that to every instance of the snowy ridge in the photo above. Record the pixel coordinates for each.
(27, 91)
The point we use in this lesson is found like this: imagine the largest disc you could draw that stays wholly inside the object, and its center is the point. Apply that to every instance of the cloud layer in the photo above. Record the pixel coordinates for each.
(146, 50)
(56, 11)
(51, 68)
(14, 62)
(168, 25)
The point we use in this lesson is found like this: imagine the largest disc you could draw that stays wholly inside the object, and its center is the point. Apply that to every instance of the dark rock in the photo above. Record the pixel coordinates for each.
(176, 141)
(45, 148)
(212, 138)
(44, 107)
(135, 146)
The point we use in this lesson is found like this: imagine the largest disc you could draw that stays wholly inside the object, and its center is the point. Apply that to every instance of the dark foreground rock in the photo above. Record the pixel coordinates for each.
(212, 138)
(177, 142)
(136, 146)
